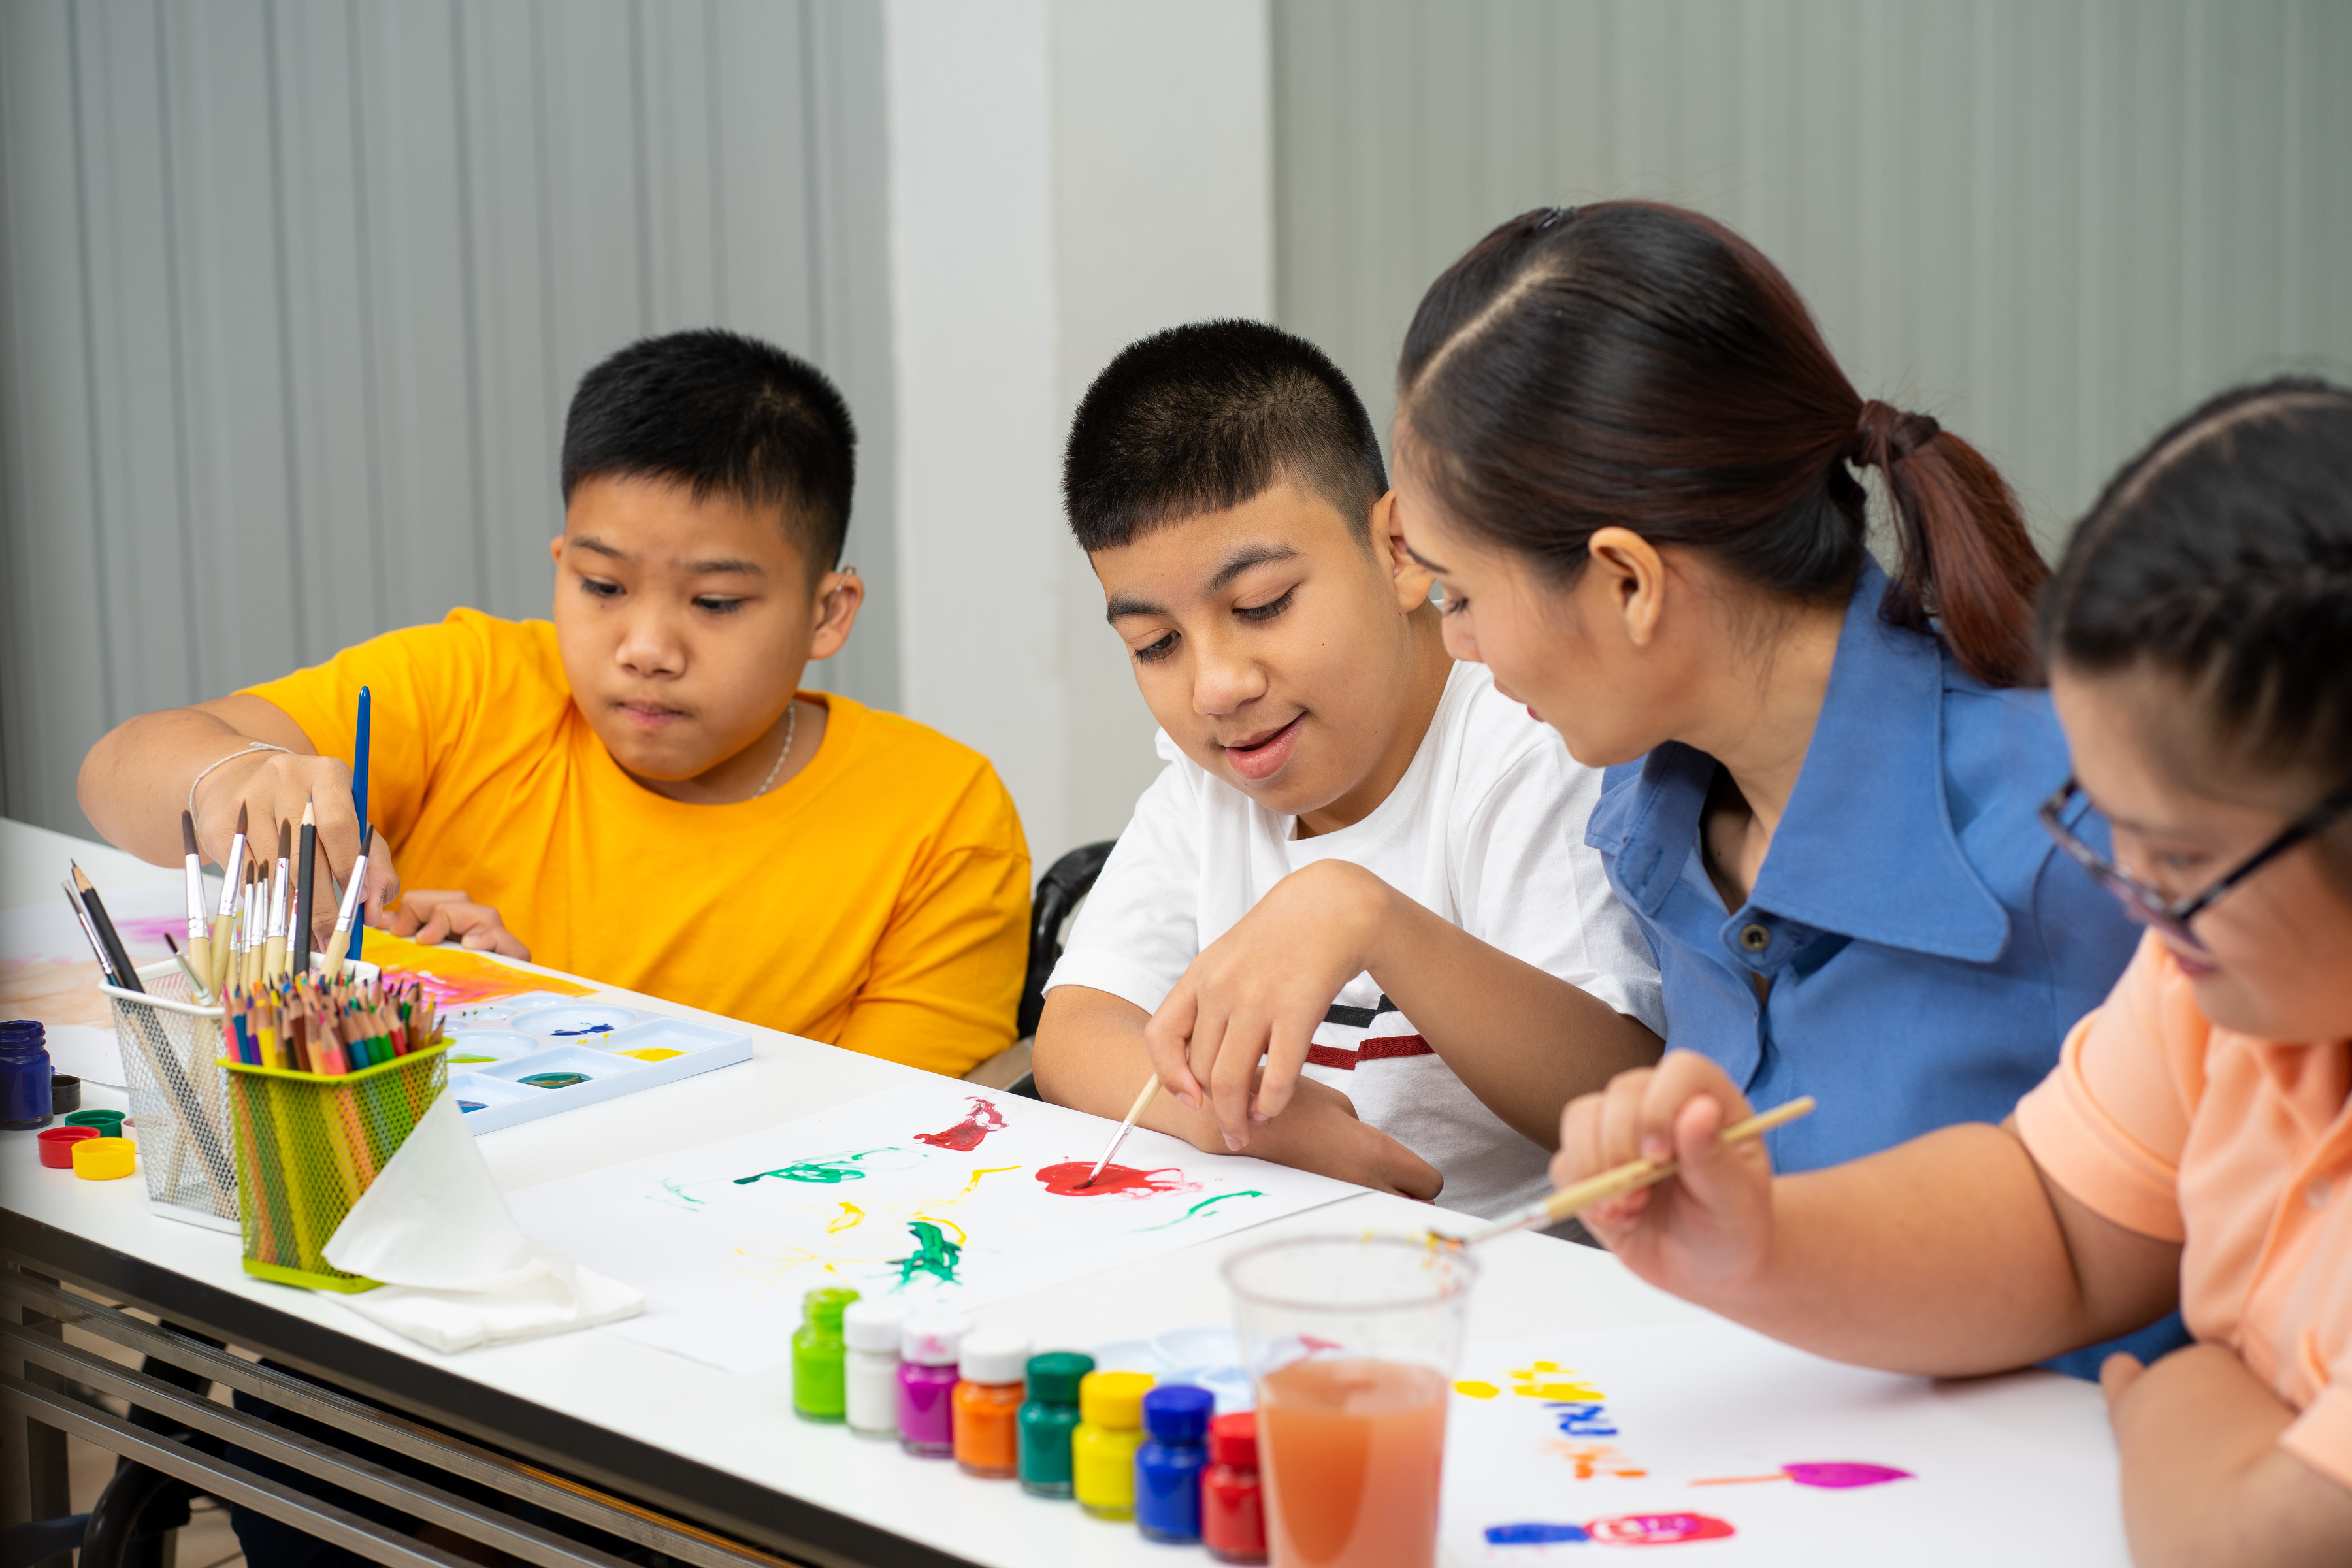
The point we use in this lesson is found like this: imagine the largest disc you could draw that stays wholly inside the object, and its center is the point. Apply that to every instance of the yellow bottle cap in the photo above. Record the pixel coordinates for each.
(104, 1159)
(1112, 1400)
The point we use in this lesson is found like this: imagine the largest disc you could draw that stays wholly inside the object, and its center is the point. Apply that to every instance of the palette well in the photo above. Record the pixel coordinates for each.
(549, 1060)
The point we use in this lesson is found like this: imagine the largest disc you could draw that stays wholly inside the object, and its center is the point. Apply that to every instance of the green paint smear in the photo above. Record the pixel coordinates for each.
(675, 1191)
(1204, 1203)
(824, 1173)
(934, 1254)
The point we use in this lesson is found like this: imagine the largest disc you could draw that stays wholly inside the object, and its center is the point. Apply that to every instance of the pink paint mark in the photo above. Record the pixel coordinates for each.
(966, 1134)
(1840, 1476)
(142, 935)
(1657, 1529)
(1069, 1180)
(1833, 1474)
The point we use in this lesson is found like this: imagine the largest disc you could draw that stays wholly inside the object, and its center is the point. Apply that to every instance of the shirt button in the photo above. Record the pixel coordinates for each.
(1755, 938)
(2317, 1191)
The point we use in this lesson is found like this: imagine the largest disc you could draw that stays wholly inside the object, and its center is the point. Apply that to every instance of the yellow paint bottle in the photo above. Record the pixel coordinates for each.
(1103, 1445)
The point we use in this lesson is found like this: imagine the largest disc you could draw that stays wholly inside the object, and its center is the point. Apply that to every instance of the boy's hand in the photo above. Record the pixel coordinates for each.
(1705, 1228)
(271, 787)
(1321, 1132)
(430, 916)
(1258, 992)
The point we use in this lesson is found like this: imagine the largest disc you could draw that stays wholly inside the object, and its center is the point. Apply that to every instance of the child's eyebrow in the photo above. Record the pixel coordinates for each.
(1247, 556)
(724, 563)
(1121, 607)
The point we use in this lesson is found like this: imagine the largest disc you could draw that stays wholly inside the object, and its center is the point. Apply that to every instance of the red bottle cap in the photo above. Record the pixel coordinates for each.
(56, 1145)
(1232, 1440)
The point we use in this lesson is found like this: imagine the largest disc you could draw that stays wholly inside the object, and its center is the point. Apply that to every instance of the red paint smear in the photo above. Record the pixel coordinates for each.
(966, 1134)
(1069, 1180)
(1656, 1529)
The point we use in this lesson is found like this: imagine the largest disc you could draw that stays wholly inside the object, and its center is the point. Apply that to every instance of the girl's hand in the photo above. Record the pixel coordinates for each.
(1260, 990)
(430, 916)
(1708, 1227)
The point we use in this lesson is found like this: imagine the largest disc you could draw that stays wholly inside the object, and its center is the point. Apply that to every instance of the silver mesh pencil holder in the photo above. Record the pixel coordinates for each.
(179, 1096)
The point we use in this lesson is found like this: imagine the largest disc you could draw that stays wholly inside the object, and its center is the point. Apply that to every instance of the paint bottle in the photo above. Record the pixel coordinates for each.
(928, 1346)
(24, 1101)
(869, 1333)
(818, 1354)
(1047, 1418)
(988, 1404)
(1103, 1446)
(1233, 1507)
(1168, 1466)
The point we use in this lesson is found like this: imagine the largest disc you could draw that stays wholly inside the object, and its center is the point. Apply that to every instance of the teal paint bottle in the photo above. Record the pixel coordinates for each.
(1047, 1417)
(817, 1356)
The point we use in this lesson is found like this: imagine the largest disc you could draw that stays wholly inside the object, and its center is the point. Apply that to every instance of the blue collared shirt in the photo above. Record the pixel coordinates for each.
(1925, 946)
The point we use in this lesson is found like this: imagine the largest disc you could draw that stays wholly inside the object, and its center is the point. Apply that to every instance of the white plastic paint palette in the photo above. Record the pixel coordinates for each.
(543, 1060)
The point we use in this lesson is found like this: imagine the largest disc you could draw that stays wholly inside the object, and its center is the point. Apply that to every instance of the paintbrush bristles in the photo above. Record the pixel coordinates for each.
(243, 816)
(188, 834)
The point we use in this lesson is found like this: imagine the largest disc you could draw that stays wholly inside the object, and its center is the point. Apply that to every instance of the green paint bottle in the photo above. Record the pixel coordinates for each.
(1047, 1417)
(817, 1356)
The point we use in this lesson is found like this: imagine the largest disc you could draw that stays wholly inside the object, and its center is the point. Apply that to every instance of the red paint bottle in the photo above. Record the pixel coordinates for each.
(1233, 1513)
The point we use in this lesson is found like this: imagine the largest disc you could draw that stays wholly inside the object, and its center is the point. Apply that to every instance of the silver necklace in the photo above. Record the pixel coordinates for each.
(791, 723)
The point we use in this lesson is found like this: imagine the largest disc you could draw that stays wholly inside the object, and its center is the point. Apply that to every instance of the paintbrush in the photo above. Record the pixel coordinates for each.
(1150, 1088)
(1633, 1175)
(199, 962)
(347, 919)
(359, 798)
(185, 967)
(118, 955)
(273, 957)
(299, 928)
(232, 889)
(90, 931)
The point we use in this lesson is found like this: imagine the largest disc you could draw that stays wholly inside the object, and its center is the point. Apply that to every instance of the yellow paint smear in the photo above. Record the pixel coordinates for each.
(1477, 1390)
(651, 1054)
(850, 1215)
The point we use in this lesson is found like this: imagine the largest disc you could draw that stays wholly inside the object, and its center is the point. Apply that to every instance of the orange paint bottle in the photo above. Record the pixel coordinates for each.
(987, 1403)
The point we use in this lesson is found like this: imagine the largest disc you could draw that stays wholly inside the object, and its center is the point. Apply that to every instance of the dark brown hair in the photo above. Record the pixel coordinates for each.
(1637, 364)
(2222, 557)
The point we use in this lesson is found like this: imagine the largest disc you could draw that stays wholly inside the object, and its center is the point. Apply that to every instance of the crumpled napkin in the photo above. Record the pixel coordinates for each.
(458, 1271)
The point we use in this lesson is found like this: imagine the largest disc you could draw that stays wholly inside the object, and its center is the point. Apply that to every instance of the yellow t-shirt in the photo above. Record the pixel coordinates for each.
(879, 900)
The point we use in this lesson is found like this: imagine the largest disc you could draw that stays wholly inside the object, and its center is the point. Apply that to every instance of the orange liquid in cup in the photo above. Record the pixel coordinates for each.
(1350, 1451)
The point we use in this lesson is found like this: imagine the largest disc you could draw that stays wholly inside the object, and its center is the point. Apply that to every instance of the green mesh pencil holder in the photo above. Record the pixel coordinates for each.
(308, 1145)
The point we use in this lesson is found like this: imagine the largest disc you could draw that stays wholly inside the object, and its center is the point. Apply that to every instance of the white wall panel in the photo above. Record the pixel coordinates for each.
(2055, 226)
(293, 296)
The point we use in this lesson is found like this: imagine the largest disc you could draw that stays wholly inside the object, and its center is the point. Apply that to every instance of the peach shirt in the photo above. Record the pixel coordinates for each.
(2240, 1149)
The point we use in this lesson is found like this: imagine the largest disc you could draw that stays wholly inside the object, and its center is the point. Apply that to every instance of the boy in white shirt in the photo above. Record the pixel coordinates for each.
(1228, 490)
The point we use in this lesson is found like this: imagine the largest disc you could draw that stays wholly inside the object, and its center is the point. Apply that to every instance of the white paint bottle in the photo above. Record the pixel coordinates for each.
(871, 1331)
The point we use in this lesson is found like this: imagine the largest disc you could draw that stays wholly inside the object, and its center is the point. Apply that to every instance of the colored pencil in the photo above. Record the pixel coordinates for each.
(1633, 1175)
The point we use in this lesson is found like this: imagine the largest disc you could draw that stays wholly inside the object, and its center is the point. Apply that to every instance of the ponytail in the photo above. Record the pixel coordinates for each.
(1638, 365)
(1965, 563)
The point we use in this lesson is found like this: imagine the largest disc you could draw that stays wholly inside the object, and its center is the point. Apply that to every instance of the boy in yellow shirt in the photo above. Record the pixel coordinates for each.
(638, 792)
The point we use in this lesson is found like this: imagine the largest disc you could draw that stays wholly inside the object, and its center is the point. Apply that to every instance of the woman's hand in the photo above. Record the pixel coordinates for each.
(1258, 992)
(1703, 1231)
(430, 916)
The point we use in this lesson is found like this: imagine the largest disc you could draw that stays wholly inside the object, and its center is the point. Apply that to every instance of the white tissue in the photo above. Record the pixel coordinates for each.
(457, 1270)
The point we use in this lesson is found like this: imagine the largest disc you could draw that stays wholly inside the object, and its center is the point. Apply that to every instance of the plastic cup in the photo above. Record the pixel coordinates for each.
(1352, 1341)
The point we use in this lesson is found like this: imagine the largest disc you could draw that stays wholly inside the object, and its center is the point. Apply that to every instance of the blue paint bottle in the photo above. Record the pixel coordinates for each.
(23, 1076)
(1168, 1466)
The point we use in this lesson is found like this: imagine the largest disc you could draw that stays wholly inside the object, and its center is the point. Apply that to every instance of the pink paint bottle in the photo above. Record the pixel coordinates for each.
(929, 1349)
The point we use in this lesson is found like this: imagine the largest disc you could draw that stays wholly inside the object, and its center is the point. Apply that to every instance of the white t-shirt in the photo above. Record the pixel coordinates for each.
(1486, 828)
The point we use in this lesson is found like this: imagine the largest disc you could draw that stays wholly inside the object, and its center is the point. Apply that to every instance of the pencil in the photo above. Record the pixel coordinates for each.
(359, 796)
(119, 958)
(300, 934)
(1150, 1088)
(1634, 1174)
(199, 962)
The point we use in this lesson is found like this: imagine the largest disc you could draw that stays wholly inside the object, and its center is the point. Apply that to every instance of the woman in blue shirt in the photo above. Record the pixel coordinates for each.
(1628, 456)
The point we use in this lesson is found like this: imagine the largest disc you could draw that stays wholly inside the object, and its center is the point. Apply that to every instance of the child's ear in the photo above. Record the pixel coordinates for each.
(838, 595)
(1412, 578)
(555, 550)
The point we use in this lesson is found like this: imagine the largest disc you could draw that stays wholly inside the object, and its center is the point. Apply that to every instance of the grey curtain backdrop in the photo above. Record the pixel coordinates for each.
(2054, 224)
(293, 294)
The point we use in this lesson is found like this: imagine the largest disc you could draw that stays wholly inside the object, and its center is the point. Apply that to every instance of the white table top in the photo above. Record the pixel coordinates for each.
(1530, 1284)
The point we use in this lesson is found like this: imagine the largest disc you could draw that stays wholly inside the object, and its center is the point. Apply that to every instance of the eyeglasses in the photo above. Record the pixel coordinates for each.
(2145, 901)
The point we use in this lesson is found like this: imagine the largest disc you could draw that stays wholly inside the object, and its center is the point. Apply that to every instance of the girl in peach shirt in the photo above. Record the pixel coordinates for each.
(2193, 1147)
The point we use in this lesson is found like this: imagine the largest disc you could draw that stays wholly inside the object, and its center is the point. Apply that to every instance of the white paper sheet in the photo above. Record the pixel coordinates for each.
(930, 1193)
(1630, 1436)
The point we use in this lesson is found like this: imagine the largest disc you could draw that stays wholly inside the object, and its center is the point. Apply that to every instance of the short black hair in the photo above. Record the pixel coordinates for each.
(1202, 417)
(726, 414)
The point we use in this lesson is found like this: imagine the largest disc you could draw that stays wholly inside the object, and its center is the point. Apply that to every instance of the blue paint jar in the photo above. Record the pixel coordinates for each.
(1168, 1466)
(24, 1075)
